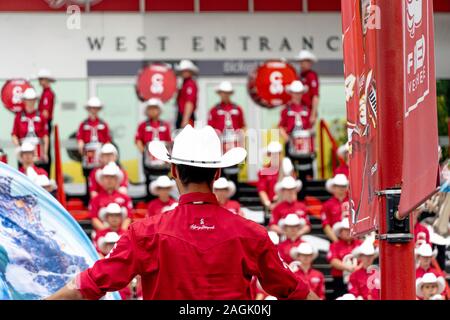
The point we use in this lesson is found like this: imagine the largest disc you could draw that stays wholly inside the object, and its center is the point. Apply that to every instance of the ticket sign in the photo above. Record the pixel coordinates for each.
(12, 92)
(268, 82)
(156, 81)
(420, 150)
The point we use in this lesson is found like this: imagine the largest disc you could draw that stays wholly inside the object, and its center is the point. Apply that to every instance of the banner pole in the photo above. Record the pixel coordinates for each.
(397, 268)
(59, 177)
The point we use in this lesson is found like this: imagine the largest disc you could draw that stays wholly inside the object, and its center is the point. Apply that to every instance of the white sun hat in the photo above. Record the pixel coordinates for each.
(425, 250)
(161, 182)
(45, 74)
(225, 86)
(197, 148)
(187, 65)
(109, 238)
(94, 102)
(154, 102)
(108, 148)
(112, 208)
(29, 94)
(340, 180)
(306, 55)
(343, 149)
(111, 169)
(274, 147)
(223, 183)
(26, 147)
(338, 226)
(304, 248)
(292, 220)
(296, 86)
(288, 183)
(429, 278)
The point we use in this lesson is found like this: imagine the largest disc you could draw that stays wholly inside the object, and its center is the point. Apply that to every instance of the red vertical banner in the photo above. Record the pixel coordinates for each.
(420, 150)
(359, 23)
(59, 175)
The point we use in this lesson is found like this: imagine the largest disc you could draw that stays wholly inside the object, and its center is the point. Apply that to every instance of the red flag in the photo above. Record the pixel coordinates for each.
(59, 177)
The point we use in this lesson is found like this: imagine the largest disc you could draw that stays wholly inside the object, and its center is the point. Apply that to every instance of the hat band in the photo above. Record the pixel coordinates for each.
(192, 161)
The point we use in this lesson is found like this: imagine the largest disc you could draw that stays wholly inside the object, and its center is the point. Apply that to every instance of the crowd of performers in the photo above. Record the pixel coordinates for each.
(281, 183)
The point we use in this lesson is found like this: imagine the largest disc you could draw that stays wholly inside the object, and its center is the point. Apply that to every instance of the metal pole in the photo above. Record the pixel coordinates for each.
(397, 268)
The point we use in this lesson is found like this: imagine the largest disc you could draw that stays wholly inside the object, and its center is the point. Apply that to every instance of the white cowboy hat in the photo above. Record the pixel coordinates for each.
(429, 278)
(274, 147)
(296, 86)
(304, 248)
(340, 180)
(45, 74)
(197, 148)
(338, 226)
(94, 102)
(43, 181)
(274, 237)
(186, 65)
(154, 102)
(225, 86)
(108, 148)
(111, 169)
(343, 149)
(288, 183)
(29, 94)
(292, 220)
(306, 55)
(366, 249)
(26, 147)
(112, 208)
(329, 185)
(161, 182)
(109, 238)
(425, 250)
(223, 183)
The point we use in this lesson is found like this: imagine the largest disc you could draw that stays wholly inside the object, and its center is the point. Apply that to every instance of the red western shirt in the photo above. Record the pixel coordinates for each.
(95, 186)
(216, 118)
(47, 102)
(342, 169)
(38, 170)
(282, 209)
(421, 233)
(101, 233)
(145, 131)
(289, 114)
(27, 123)
(338, 250)
(103, 199)
(187, 93)
(315, 279)
(267, 178)
(359, 283)
(285, 247)
(156, 206)
(233, 206)
(421, 271)
(197, 251)
(332, 210)
(310, 80)
(87, 129)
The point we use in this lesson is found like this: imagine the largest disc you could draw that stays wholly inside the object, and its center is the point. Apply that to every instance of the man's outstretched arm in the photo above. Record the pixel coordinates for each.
(68, 292)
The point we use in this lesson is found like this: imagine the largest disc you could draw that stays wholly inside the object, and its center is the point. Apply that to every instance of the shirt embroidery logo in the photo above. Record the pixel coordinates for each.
(201, 226)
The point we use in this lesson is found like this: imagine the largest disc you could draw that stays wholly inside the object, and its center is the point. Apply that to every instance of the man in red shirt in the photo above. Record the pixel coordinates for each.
(337, 207)
(187, 95)
(152, 129)
(310, 80)
(291, 226)
(113, 216)
(288, 188)
(197, 251)
(161, 187)
(224, 190)
(268, 176)
(26, 159)
(30, 126)
(304, 256)
(424, 257)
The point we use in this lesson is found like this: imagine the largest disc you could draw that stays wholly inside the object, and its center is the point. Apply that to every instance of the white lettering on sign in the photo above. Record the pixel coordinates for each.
(413, 15)
(417, 57)
(157, 86)
(276, 82)
(17, 95)
(349, 86)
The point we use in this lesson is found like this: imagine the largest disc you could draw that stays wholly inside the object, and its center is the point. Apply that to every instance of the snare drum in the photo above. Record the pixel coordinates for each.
(91, 155)
(301, 143)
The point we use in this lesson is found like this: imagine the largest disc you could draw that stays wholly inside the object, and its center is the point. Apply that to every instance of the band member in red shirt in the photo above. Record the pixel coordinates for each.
(424, 257)
(364, 282)
(187, 95)
(337, 207)
(224, 190)
(46, 105)
(291, 226)
(27, 155)
(153, 128)
(30, 126)
(337, 256)
(288, 188)
(430, 287)
(304, 256)
(113, 216)
(310, 80)
(179, 254)
(161, 187)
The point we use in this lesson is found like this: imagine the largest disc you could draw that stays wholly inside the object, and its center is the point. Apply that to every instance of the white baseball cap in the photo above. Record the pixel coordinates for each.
(29, 94)
(154, 102)
(161, 182)
(225, 86)
(94, 102)
(296, 86)
(108, 148)
(274, 147)
(288, 183)
(45, 74)
(306, 55)
(186, 65)
(223, 183)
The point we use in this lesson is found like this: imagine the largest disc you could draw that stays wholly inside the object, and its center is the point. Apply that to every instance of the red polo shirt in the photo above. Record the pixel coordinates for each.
(216, 118)
(315, 279)
(198, 251)
(359, 282)
(147, 128)
(332, 211)
(103, 199)
(338, 250)
(187, 93)
(156, 206)
(25, 123)
(289, 113)
(285, 247)
(267, 178)
(95, 186)
(87, 128)
(310, 80)
(47, 102)
(421, 271)
(281, 210)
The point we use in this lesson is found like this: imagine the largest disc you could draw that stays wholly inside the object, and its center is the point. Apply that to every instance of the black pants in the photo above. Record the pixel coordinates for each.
(47, 166)
(152, 174)
(339, 288)
(180, 119)
(86, 174)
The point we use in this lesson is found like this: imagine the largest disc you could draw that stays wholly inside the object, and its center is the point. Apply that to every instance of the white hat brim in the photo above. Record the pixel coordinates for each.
(440, 282)
(232, 157)
(103, 212)
(153, 187)
(99, 175)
